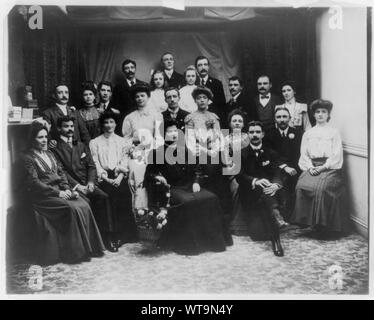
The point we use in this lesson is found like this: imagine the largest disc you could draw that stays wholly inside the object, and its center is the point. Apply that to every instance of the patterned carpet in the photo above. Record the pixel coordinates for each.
(246, 268)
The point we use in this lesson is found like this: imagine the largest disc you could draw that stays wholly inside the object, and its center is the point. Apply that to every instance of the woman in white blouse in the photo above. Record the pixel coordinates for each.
(298, 111)
(157, 99)
(109, 154)
(187, 102)
(320, 192)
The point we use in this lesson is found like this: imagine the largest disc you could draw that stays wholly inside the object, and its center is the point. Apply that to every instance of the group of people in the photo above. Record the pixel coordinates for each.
(88, 169)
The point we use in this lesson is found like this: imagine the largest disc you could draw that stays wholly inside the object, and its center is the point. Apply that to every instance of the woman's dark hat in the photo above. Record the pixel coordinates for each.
(319, 103)
(202, 90)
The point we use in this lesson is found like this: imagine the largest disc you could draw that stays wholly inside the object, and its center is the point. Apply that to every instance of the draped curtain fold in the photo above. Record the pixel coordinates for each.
(283, 46)
(51, 57)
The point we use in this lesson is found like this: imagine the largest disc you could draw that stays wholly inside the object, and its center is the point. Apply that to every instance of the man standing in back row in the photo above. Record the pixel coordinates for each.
(122, 97)
(173, 78)
(202, 65)
(265, 102)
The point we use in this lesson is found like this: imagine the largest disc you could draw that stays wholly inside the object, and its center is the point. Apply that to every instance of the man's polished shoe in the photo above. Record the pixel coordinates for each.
(111, 246)
(118, 243)
(277, 247)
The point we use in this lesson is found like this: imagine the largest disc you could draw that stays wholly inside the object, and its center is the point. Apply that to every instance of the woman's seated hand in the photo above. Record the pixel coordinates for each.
(196, 187)
(315, 171)
(272, 189)
(65, 194)
(117, 181)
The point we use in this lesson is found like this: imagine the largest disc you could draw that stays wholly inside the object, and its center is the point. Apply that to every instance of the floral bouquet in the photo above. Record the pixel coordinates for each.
(151, 221)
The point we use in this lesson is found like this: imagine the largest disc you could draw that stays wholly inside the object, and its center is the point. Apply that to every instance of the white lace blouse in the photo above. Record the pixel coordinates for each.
(321, 142)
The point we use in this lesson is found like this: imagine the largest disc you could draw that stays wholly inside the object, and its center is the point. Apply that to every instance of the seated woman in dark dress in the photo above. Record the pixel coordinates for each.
(67, 230)
(195, 217)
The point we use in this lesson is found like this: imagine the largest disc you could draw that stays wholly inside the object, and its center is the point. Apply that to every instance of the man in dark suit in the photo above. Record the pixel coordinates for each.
(173, 78)
(264, 103)
(60, 109)
(260, 180)
(121, 93)
(202, 65)
(105, 104)
(239, 100)
(81, 174)
(174, 112)
(286, 141)
(105, 89)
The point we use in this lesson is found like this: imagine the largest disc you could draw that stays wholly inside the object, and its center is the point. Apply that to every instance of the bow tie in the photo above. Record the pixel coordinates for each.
(265, 97)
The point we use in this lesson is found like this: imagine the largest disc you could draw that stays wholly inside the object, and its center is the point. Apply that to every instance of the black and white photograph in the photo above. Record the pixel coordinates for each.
(186, 149)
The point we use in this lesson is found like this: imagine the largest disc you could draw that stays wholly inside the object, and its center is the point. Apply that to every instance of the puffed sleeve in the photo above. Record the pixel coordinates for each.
(305, 117)
(219, 143)
(127, 129)
(335, 161)
(304, 162)
(94, 148)
(124, 155)
(190, 133)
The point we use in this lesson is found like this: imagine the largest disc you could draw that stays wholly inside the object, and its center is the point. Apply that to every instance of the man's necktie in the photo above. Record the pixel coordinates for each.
(202, 82)
(70, 142)
(132, 82)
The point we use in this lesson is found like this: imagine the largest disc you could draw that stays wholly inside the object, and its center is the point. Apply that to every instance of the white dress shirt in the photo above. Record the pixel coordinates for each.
(264, 101)
(63, 108)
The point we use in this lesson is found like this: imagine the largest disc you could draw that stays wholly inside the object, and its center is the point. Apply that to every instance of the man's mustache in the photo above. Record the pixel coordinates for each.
(130, 72)
(203, 70)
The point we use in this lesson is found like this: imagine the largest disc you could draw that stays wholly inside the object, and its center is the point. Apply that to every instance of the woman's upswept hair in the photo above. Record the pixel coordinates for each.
(35, 128)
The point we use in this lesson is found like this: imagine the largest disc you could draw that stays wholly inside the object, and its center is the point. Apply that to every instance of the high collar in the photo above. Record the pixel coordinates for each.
(259, 147)
(174, 111)
(285, 131)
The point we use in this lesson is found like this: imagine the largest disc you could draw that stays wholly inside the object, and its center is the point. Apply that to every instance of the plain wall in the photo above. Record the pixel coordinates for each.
(342, 55)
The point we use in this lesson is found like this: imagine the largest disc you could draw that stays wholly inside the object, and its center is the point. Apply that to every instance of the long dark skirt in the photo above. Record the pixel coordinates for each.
(123, 222)
(67, 230)
(321, 201)
(194, 222)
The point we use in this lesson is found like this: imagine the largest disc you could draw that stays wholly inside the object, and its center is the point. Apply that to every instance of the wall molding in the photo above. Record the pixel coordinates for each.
(359, 221)
(360, 226)
(358, 150)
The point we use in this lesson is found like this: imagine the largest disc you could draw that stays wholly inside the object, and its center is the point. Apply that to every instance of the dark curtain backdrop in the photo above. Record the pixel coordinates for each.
(285, 48)
(282, 45)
